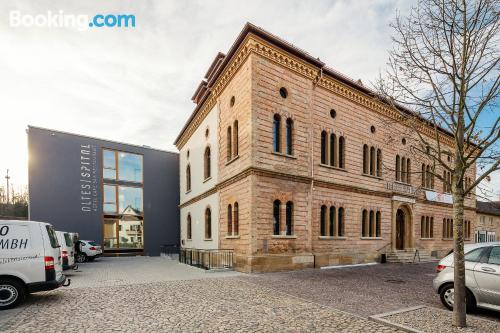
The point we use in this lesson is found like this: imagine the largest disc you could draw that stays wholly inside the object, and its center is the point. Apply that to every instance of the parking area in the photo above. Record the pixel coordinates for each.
(143, 294)
(365, 290)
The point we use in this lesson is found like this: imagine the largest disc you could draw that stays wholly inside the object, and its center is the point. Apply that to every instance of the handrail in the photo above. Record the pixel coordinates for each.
(384, 246)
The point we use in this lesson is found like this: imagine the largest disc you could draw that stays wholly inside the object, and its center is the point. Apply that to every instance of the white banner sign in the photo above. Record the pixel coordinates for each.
(439, 197)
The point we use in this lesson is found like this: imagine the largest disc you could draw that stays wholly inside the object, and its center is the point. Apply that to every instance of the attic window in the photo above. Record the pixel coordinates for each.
(283, 92)
(333, 113)
(207, 132)
(403, 141)
(372, 129)
(231, 103)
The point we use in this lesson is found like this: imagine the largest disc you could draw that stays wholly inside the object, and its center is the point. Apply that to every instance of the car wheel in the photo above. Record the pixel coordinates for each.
(81, 257)
(12, 293)
(447, 296)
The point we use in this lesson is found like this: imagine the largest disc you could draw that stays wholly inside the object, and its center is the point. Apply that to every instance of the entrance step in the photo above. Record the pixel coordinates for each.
(408, 256)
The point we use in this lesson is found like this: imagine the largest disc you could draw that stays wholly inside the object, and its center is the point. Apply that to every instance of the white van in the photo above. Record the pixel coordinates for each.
(67, 249)
(30, 260)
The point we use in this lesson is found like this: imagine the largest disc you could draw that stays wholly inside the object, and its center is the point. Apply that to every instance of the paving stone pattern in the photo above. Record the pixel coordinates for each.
(209, 305)
(434, 320)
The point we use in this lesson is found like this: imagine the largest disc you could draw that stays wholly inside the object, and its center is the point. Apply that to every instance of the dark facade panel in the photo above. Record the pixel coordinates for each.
(66, 186)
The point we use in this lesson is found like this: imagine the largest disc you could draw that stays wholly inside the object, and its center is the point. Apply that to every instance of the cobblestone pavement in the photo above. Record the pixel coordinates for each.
(366, 290)
(432, 320)
(209, 305)
(108, 271)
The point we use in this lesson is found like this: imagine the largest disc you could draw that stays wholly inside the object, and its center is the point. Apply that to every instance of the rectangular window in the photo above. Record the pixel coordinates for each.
(130, 200)
(109, 164)
(130, 167)
(110, 199)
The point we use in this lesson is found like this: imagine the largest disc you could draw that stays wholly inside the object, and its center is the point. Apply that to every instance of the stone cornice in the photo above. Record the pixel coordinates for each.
(256, 45)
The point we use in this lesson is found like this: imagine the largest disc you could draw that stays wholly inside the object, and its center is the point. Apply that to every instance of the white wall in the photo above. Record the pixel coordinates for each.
(197, 212)
(196, 146)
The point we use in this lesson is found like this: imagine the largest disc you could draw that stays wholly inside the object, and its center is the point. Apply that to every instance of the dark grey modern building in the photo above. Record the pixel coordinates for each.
(121, 195)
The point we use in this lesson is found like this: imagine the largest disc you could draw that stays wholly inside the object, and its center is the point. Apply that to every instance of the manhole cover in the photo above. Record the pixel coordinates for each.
(395, 281)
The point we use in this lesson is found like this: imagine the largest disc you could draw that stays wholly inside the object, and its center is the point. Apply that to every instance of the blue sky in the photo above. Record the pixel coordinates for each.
(136, 85)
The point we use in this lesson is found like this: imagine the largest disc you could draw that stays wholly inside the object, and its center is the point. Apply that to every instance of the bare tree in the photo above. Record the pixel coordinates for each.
(444, 67)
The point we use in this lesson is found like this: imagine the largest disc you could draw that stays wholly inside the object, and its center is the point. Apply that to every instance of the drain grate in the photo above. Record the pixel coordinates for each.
(395, 281)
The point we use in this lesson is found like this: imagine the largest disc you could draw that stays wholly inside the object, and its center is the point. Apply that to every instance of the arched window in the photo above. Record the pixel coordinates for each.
(236, 220)
(428, 180)
(371, 227)
(333, 144)
(289, 218)
(207, 163)
(408, 171)
(378, 221)
(289, 136)
(276, 217)
(341, 152)
(229, 147)
(229, 219)
(379, 163)
(364, 223)
(188, 227)
(322, 221)
(372, 161)
(208, 223)
(188, 178)
(323, 147)
(277, 133)
(331, 226)
(340, 222)
(432, 227)
(403, 169)
(424, 176)
(366, 159)
(398, 168)
(235, 138)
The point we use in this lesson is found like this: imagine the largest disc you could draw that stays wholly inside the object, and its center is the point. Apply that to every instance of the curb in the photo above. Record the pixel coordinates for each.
(379, 318)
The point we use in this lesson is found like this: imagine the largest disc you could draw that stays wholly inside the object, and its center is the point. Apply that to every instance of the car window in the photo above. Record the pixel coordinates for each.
(69, 241)
(93, 243)
(474, 255)
(494, 256)
(52, 236)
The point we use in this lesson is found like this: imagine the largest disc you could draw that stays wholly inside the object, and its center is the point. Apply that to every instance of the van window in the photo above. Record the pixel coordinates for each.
(52, 236)
(67, 238)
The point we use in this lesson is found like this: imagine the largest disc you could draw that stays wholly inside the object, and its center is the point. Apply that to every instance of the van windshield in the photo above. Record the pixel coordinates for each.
(52, 236)
(67, 238)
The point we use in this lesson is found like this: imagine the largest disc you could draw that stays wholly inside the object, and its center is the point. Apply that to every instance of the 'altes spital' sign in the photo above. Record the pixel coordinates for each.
(402, 188)
(88, 178)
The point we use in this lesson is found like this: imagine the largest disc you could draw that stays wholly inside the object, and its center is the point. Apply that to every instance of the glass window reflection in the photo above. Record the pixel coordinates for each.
(130, 167)
(130, 200)
(109, 199)
(109, 164)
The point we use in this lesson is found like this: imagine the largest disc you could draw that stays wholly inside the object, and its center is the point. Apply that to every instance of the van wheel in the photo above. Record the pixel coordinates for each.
(81, 257)
(447, 296)
(12, 293)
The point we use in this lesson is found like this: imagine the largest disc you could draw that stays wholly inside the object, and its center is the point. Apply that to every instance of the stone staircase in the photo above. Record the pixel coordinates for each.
(408, 256)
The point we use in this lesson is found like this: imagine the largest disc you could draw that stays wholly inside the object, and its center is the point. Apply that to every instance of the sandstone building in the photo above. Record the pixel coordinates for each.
(293, 165)
(488, 221)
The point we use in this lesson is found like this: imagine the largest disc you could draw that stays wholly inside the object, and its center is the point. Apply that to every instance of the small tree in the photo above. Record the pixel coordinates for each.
(444, 66)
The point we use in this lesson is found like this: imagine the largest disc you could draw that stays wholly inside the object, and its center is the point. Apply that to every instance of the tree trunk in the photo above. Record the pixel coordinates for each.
(459, 306)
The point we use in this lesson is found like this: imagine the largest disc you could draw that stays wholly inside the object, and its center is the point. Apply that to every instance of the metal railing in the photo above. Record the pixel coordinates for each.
(207, 259)
(169, 250)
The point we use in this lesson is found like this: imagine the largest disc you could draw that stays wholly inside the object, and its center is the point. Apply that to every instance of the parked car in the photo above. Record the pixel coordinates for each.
(482, 277)
(87, 250)
(67, 249)
(30, 260)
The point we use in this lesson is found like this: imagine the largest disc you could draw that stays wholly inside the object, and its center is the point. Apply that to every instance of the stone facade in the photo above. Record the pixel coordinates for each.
(248, 90)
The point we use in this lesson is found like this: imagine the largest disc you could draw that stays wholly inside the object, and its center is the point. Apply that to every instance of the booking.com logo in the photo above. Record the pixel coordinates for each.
(61, 20)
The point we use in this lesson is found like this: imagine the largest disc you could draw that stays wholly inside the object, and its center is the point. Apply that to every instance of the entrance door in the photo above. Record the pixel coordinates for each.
(400, 230)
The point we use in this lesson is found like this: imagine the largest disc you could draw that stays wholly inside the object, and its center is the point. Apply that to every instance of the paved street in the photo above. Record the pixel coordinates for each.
(366, 290)
(207, 303)
(158, 295)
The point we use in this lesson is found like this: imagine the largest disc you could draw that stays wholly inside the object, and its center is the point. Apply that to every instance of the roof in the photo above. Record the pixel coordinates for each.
(488, 207)
(100, 139)
(220, 62)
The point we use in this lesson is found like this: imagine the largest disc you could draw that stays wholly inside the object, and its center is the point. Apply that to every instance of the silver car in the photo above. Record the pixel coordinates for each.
(482, 277)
